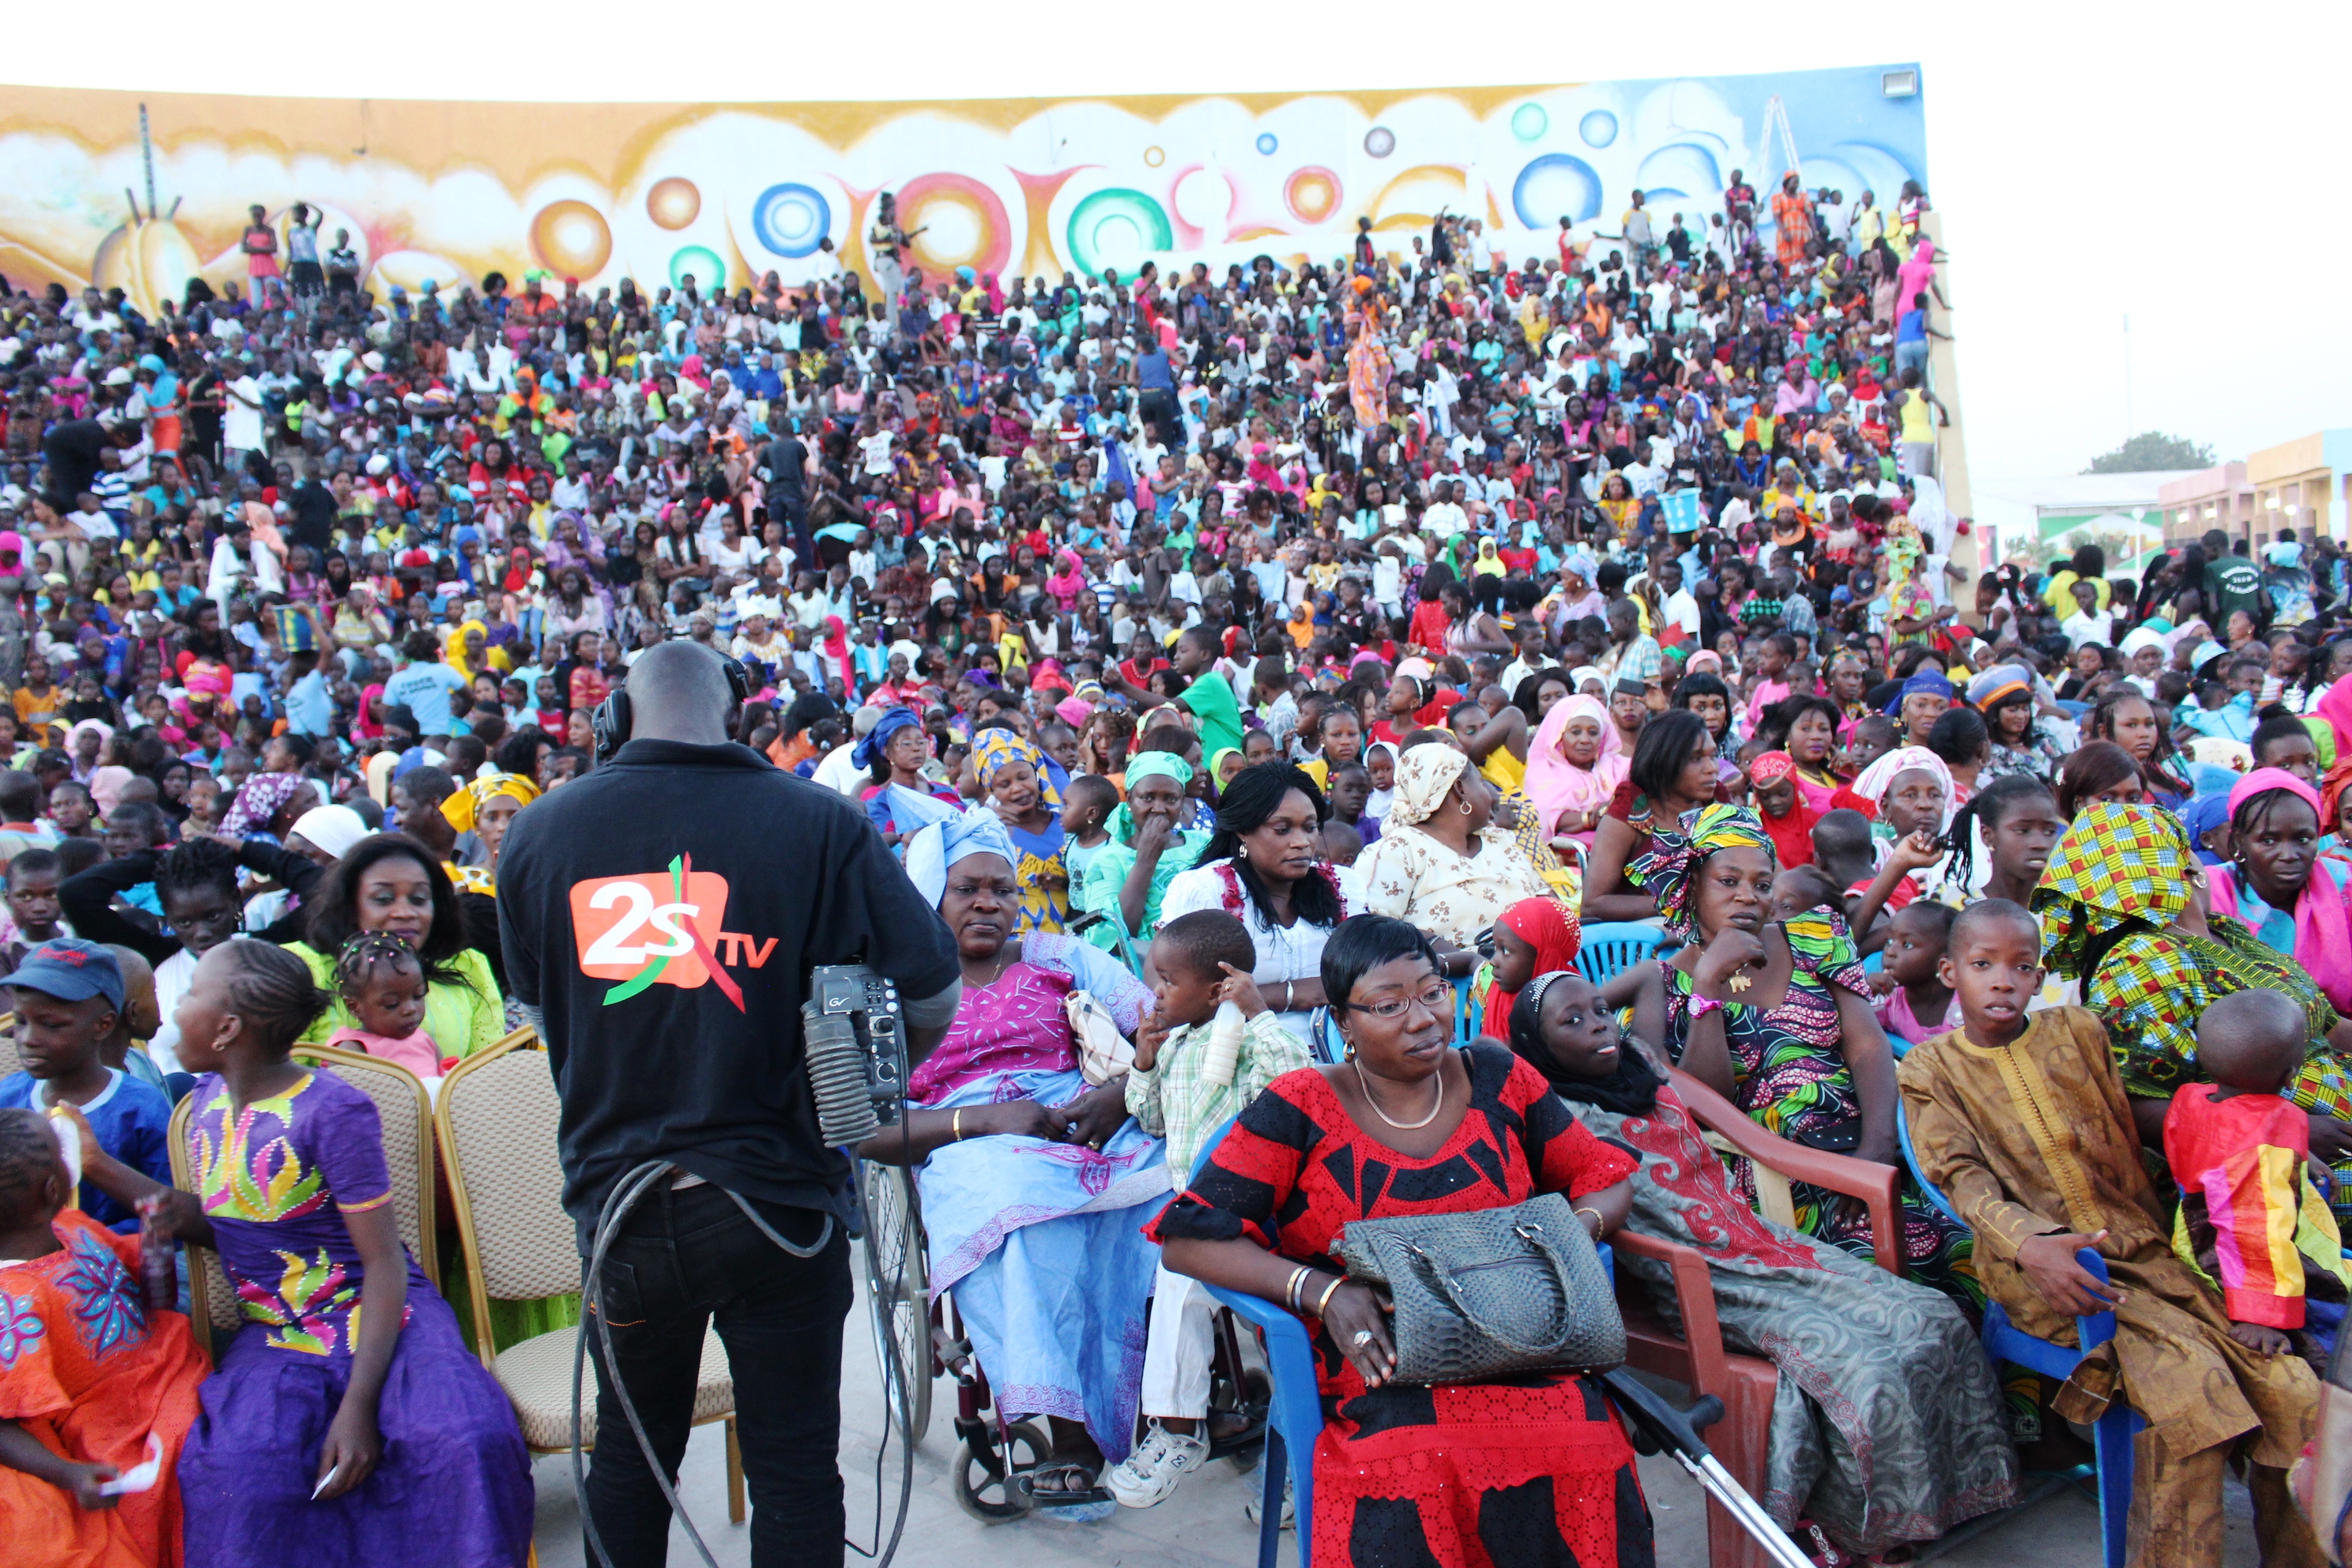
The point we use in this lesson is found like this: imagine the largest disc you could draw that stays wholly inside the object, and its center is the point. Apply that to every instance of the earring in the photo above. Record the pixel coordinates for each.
(1465, 809)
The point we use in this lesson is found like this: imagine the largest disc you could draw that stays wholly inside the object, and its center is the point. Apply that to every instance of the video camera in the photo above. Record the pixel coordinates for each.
(856, 1039)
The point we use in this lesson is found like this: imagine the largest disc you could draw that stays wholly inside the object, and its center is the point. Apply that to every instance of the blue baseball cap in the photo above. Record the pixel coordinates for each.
(70, 969)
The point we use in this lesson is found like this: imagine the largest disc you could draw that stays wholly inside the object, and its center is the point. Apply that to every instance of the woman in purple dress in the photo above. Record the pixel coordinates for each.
(346, 1423)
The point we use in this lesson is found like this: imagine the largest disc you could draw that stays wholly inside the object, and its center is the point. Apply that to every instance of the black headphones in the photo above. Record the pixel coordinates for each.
(609, 722)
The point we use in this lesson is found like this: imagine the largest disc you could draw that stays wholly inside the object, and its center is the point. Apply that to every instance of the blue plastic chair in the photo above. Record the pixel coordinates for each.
(1295, 1413)
(1613, 947)
(2003, 1341)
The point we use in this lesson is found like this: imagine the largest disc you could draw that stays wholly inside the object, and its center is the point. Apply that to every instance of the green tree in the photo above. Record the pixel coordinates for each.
(2152, 452)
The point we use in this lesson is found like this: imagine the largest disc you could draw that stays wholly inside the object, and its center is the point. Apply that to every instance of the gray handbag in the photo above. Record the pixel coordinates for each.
(1494, 1291)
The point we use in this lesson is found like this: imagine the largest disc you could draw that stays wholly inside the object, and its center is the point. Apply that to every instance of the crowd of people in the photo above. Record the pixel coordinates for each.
(1290, 645)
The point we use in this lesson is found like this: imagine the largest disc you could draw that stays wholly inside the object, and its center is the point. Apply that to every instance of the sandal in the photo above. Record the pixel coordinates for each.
(1068, 1478)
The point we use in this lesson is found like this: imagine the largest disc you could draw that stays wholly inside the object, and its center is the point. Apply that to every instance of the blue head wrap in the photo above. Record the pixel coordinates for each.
(889, 724)
(1933, 682)
(2203, 815)
(933, 852)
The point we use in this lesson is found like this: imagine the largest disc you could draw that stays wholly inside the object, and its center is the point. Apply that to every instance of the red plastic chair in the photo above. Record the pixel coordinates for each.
(1696, 1357)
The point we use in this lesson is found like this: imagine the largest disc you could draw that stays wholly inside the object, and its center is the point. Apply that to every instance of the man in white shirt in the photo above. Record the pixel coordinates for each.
(1679, 607)
(1444, 517)
(240, 416)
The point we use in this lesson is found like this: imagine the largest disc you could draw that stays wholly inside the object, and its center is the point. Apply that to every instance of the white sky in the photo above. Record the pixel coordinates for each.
(2183, 166)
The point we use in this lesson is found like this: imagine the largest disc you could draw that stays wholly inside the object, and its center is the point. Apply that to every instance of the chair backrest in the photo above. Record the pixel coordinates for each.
(498, 1118)
(212, 1301)
(406, 1112)
(1911, 1163)
(1614, 946)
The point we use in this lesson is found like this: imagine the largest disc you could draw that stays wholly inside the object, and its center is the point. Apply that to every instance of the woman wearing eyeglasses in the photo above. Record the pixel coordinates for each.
(1408, 1125)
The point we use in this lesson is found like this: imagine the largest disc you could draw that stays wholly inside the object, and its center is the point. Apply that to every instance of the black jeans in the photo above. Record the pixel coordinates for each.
(685, 1258)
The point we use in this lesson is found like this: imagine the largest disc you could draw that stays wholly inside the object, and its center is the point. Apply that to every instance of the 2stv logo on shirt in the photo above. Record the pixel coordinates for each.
(660, 928)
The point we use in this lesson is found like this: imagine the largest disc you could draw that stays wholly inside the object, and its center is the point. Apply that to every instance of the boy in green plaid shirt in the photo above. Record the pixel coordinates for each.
(1198, 960)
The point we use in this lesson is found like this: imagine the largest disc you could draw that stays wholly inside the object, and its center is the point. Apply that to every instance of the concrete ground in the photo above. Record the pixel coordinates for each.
(1203, 1525)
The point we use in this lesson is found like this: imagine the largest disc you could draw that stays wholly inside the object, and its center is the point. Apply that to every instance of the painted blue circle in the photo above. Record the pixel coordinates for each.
(1599, 128)
(1555, 186)
(790, 219)
(1267, 144)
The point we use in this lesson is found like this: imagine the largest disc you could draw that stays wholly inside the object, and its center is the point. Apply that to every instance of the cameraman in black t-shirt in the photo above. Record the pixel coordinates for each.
(660, 915)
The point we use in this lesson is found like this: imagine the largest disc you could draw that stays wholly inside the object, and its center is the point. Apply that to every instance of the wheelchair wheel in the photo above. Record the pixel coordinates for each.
(898, 1293)
(980, 1471)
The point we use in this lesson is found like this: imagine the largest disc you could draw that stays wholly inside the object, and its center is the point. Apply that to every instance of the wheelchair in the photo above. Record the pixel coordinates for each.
(918, 1338)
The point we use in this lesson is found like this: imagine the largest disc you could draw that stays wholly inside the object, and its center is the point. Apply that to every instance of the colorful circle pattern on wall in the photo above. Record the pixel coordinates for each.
(964, 220)
(1117, 227)
(1380, 142)
(1555, 186)
(1154, 156)
(1267, 144)
(790, 219)
(672, 202)
(703, 263)
(1599, 128)
(1312, 194)
(571, 238)
(1529, 121)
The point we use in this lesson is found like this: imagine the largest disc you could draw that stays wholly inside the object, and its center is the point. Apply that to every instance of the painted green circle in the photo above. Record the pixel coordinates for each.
(1529, 121)
(709, 272)
(1090, 218)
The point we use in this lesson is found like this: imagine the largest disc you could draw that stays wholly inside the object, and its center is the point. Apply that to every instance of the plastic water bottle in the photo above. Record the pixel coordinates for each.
(1225, 1031)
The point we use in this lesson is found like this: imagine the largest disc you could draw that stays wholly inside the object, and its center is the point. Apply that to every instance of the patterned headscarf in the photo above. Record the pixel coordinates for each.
(993, 751)
(1769, 766)
(2116, 862)
(1424, 774)
(259, 799)
(1669, 872)
(464, 806)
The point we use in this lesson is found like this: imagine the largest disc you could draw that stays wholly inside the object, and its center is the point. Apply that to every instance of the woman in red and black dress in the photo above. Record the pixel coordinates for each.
(1531, 1469)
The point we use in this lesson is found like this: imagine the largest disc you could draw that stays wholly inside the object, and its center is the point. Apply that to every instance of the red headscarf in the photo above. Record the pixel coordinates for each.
(1555, 932)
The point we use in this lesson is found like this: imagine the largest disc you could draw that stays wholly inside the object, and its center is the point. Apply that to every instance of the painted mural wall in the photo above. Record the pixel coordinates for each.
(449, 190)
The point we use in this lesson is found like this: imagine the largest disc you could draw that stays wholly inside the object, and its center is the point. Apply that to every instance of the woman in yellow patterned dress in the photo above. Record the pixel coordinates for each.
(1018, 782)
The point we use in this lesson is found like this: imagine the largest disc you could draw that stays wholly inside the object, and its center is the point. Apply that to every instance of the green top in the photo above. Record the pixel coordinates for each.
(462, 1018)
(1106, 874)
(1210, 699)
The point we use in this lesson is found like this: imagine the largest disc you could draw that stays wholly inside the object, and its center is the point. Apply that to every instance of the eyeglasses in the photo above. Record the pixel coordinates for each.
(1436, 999)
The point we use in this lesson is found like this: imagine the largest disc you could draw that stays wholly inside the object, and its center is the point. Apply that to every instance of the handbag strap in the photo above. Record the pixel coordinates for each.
(1441, 1279)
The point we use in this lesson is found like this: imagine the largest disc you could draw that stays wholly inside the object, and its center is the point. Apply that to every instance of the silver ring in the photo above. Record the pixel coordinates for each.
(1362, 1338)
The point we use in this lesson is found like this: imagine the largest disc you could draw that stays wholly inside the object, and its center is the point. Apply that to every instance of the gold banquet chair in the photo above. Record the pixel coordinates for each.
(402, 1108)
(11, 1059)
(497, 1117)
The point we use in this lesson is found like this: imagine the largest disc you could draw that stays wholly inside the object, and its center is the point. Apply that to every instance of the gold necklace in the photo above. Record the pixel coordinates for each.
(1365, 1084)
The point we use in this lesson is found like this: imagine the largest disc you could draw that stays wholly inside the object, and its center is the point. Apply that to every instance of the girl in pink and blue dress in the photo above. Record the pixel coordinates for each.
(347, 1422)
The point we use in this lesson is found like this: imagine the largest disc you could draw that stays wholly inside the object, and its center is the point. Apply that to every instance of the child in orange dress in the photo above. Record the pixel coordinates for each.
(93, 1383)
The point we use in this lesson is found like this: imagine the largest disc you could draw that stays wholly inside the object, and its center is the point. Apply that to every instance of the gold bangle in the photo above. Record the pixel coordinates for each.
(1598, 1219)
(955, 1123)
(1329, 1292)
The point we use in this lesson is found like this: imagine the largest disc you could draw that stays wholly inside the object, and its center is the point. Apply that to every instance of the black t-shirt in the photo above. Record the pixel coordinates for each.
(787, 467)
(72, 450)
(614, 893)
(314, 517)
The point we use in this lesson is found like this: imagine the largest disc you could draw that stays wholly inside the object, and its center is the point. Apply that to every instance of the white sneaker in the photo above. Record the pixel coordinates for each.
(1253, 1493)
(1148, 1475)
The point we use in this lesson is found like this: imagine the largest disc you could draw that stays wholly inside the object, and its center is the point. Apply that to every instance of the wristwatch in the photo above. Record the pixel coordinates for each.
(1700, 1006)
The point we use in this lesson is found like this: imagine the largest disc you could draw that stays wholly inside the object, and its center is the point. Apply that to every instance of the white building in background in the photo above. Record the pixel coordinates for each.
(2039, 520)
